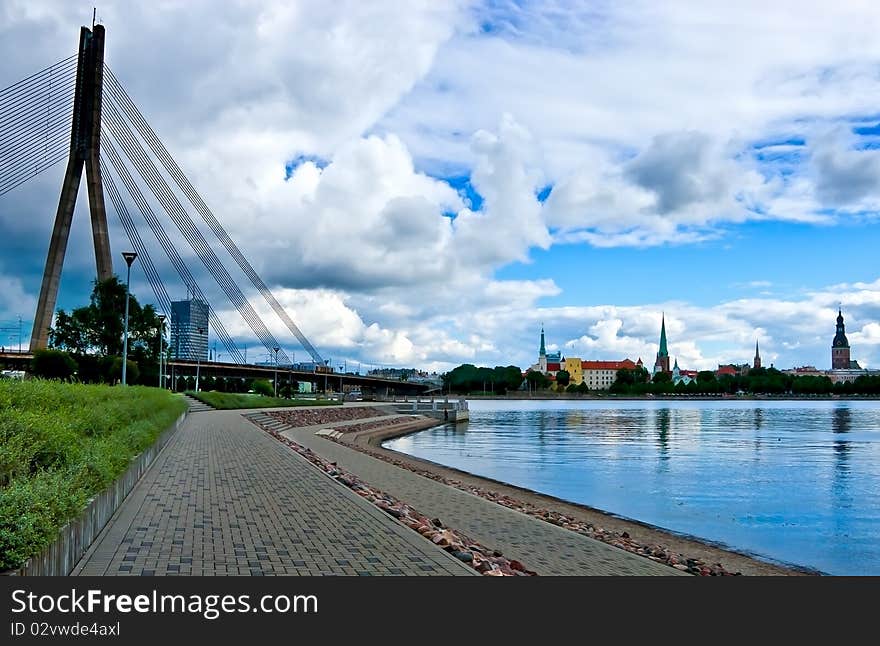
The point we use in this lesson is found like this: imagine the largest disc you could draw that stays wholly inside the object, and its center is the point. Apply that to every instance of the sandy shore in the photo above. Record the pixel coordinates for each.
(691, 547)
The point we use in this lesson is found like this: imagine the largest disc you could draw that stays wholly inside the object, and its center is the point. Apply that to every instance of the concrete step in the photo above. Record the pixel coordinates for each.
(196, 406)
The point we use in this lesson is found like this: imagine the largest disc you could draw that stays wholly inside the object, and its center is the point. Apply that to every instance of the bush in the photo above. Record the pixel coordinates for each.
(263, 387)
(113, 370)
(53, 364)
(61, 444)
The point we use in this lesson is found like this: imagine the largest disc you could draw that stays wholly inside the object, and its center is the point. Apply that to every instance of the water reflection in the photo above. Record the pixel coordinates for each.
(661, 427)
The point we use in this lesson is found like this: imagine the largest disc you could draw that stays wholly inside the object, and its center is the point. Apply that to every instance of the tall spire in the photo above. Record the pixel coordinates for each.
(543, 350)
(757, 362)
(663, 351)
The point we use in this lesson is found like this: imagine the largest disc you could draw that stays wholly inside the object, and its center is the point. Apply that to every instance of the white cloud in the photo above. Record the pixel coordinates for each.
(641, 115)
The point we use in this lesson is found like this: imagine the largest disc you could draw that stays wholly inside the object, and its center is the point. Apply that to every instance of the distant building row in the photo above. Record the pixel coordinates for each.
(600, 375)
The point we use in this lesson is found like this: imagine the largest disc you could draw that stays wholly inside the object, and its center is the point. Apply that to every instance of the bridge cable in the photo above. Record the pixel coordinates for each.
(156, 190)
(185, 224)
(33, 117)
(11, 90)
(173, 208)
(168, 247)
(171, 166)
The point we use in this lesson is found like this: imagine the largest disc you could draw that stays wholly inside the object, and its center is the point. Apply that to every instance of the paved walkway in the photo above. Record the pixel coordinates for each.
(545, 548)
(225, 498)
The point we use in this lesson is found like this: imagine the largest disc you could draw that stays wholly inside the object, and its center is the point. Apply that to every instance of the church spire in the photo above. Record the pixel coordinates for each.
(662, 362)
(543, 350)
(663, 351)
(757, 363)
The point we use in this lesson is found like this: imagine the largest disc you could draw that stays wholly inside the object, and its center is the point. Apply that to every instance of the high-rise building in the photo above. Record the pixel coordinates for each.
(189, 330)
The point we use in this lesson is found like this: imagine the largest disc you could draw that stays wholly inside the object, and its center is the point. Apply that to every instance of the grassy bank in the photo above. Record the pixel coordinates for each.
(61, 444)
(227, 401)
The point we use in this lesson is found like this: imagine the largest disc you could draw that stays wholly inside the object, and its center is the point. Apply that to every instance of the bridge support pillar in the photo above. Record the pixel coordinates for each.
(85, 143)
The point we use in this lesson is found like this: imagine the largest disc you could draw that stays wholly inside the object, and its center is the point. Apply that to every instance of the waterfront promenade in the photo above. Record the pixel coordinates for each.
(542, 547)
(225, 498)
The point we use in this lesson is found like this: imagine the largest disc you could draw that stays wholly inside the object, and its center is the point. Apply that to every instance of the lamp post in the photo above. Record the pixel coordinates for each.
(276, 349)
(161, 353)
(200, 331)
(129, 258)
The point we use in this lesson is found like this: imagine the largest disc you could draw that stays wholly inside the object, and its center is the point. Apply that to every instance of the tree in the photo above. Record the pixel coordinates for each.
(563, 377)
(662, 378)
(53, 364)
(537, 380)
(97, 329)
(263, 387)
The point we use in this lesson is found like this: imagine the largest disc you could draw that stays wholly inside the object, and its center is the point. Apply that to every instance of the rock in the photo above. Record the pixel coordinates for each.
(679, 566)
(497, 553)
(625, 535)
(516, 565)
(437, 522)
(467, 557)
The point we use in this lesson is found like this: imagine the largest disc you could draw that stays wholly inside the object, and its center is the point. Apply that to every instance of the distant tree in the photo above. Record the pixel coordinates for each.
(662, 378)
(537, 380)
(705, 376)
(263, 387)
(582, 387)
(572, 388)
(53, 364)
(112, 370)
(563, 377)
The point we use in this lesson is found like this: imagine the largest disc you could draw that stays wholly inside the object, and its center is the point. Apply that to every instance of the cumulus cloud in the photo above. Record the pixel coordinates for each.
(845, 176)
(619, 107)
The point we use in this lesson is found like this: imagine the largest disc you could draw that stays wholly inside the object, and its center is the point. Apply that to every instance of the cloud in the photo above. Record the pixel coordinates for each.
(318, 131)
(845, 176)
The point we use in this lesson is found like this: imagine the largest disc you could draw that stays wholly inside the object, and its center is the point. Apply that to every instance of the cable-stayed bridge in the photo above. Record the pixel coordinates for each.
(78, 110)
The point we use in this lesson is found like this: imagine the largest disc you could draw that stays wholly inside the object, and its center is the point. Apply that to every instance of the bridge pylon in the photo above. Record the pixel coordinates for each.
(85, 149)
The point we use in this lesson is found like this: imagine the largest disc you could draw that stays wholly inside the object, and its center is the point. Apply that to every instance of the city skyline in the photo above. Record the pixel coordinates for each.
(431, 193)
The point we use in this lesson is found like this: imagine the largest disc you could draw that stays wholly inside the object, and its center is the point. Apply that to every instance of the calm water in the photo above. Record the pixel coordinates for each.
(795, 482)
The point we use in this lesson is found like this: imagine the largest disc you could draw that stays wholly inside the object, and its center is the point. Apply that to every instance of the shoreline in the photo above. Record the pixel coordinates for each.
(567, 397)
(627, 528)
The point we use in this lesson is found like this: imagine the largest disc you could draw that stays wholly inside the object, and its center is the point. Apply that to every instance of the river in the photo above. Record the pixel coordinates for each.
(794, 482)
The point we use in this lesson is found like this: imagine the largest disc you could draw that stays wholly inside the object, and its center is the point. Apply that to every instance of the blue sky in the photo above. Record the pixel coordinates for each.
(423, 186)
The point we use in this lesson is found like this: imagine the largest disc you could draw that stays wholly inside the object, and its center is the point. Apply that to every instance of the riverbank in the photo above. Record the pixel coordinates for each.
(666, 397)
(632, 535)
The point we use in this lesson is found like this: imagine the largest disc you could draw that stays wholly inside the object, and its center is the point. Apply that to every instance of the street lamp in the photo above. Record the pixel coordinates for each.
(129, 258)
(200, 331)
(276, 349)
(161, 338)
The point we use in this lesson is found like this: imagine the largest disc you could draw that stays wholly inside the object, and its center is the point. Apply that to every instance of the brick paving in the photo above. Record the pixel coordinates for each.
(542, 547)
(224, 498)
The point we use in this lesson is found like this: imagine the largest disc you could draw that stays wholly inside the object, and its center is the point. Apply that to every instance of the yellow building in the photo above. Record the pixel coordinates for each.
(574, 367)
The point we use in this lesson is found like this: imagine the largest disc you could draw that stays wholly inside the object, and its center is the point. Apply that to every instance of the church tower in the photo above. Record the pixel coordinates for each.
(840, 346)
(662, 362)
(542, 353)
(757, 363)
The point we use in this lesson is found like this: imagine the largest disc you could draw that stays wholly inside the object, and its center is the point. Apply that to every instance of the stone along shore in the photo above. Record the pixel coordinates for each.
(367, 428)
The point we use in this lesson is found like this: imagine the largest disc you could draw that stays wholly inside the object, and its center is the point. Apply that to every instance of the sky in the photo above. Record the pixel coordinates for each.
(425, 184)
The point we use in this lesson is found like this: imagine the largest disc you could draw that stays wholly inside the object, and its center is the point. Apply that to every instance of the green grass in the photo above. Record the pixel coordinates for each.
(226, 401)
(61, 444)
